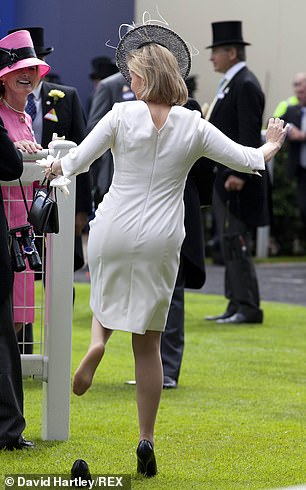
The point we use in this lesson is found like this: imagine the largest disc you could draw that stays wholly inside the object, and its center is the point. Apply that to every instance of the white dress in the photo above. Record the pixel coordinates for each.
(136, 236)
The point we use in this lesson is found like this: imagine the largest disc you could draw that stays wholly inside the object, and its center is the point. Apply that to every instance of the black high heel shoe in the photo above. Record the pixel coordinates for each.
(146, 463)
(80, 470)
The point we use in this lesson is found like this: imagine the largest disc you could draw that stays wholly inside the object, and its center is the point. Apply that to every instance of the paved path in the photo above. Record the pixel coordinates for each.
(283, 282)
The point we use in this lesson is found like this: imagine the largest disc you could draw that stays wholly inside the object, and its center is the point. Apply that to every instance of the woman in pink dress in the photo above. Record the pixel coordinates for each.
(20, 72)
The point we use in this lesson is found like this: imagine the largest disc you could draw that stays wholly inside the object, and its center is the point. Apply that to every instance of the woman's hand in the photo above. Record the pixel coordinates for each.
(234, 183)
(275, 137)
(54, 170)
(27, 145)
(276, 131)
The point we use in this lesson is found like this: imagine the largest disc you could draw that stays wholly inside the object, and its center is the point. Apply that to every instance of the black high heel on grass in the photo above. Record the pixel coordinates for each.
(146, 463)
(80, 470)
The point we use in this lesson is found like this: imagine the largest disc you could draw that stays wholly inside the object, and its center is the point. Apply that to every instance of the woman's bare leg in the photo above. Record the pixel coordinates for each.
(84, 374)
(149, 380)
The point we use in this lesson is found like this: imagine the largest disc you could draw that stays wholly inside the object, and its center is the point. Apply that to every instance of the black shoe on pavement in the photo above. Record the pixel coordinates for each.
(169, 383)
(238, 318)
(222, 316)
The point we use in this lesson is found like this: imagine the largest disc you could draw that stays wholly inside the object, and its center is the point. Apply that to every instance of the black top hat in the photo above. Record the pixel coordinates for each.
(37, 35)
(227, 32)
(103, 67)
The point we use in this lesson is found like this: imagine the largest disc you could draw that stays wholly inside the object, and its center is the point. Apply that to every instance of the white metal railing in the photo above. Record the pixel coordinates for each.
(53, 364)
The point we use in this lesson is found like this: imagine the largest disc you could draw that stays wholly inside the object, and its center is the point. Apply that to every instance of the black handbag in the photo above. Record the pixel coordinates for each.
(43, 214)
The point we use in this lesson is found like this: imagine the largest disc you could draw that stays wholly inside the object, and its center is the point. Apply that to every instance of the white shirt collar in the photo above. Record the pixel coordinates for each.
(229, 74)
(37, 91)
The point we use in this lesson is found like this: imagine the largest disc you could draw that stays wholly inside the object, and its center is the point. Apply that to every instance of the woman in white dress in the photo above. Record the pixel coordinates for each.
(135, 238)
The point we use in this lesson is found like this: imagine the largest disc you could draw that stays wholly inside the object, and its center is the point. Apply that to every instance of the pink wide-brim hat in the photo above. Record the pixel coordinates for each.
(17, 51)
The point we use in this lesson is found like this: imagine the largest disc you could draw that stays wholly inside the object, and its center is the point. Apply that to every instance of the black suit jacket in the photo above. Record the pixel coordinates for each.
(198, 192)
(71, 124)
(293, 115)
(10, 169)
(238, 114)
(109, 91)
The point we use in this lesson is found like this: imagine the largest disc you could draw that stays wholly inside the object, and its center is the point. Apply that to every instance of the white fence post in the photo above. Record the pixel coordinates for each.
(58, 315)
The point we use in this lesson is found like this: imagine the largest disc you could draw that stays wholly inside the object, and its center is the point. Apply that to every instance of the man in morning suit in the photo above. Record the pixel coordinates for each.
(108, 91)
(191, 272)
(240, 202)
(12, 421)
(295, 115)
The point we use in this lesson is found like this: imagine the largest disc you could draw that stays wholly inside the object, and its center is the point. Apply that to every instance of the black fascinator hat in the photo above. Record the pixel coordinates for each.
(152, 34)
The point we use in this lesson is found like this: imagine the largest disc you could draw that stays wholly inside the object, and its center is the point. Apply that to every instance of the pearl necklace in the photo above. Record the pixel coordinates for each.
(22, 116)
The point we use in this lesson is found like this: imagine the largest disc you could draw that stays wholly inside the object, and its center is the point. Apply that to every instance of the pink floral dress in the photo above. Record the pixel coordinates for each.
(17, 216)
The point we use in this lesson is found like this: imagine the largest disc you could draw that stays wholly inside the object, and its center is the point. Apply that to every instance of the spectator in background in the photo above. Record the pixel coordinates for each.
(240, 202)
(59, 110)
(19, 75)
(108, 91)
(298, 82)
(102, 67)
(191, 83)
(56, 109)
(53, 77)
(296, 137)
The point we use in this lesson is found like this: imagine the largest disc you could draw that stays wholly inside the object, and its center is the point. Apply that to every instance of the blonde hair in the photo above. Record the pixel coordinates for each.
(159, 69)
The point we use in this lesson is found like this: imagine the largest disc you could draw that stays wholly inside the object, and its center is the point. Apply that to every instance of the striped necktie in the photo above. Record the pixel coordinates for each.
(220, 88)
(31, 107)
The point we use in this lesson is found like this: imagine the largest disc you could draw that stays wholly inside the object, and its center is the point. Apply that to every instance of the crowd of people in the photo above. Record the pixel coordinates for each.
(149, 160)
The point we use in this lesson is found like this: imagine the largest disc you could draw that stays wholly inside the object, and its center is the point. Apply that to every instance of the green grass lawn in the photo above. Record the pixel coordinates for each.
(237, 420)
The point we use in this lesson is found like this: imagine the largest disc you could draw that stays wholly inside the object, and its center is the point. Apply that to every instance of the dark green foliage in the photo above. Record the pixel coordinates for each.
(287, 227)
